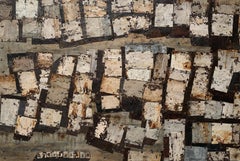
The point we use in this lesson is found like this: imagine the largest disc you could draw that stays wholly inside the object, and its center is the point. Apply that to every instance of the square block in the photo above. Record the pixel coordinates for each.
(139, 74)
(31, 28)
(203, 59)
(84, 63)
(66, 65)
(77, 109)
(143, 6)
(152, 113)
(94, 8)
(163, 15)
(83, 84)
(114, 133)
(201, 132)
(50, 117)
(197, 108)
(72, 31)
(44, 60)
(82, 98)
(199, 26)
(26, 8)
(71, 10)
(110, 102)
(31, 108)
(221, 133)
(112, 54)
(113, 68)
(181, 61)
(25, 126)
(51, 28)
(222, 25)
(7, 85)
(133, 88)
(135, 136)
(9, 30)
(182, 13)
(22, 63)
(28, 82)
(152, 93)
(110, 85)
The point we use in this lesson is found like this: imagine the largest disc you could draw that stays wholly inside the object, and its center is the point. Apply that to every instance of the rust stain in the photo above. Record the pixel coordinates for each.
(187, 65)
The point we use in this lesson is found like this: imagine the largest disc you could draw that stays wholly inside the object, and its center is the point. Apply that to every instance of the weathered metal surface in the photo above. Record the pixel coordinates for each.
(173, 126)
(137, 59)
(160, 66)
(26, 8)
(28, 82)
(110, 102)
(83, 98)
(66, 66)
(31, 108)
(182, 13)
(101, 128)
(197, 108)
(201, 132)
(112, 54)
(31, 28)
(113, 68)
(98, 27)
(43, 80)
(236, 134)
(72, 31)
(200, 84)
(84, 63)
(200, 7)
(83, 84)
(181, 61)
(7, 85)
(234, 153)
(221, 133)
(203, 59)
(133, 88)
(227, 58)
(222, 25)
(51, 28)
(22, 63)
(93, 8)
(119, 6)
(135, 136)
(124, 25)
(9, 30)
(213, 109)
(44, 60)
(179, 75)
(199, 26)
(163, 15)
(25, 126)
(64, 155)
(77, 109)
(114, 133)
(227, 110)
(139, 74)
(49, 2)
(152, 93)
(110, 85)
(143, 156)
(236, 105)
(142, 6)
(218, 156)
(71, 10)
(152, 114)
(50, 117)
(175, 95)
(193, 153)
(219, 82)
(6, 10)
(176, 146)
(59, 89)
(74, 124)
(9, 111)
(52, 11)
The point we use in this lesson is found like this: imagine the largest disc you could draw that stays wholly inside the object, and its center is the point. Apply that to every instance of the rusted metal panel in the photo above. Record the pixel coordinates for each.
(77, 109)
(175, 95)
(136, 59)
(197, 108)
(72, 31)
(74, 124)
(83, 84)
(119, 6)
(6, 10)
(152, 93)
(221, 133)
(93, 8)
(114, 133)
(112, 54)
(176, 146)
(195, 153)
(43, 80)
(50, 117)
(199, 26)
(28, 82)
(213, 109)
(25, 126)
(173, 126)
(110, 85)
(182, 13)
(200, 7)
(201, 132)
(219, 82)
(83, 98)
(52, 11)
(227, 58)
(59, 89)
(152, 113)
(9, 30)
(84, 63)
(9, 111)
(31, 28)
(236, 105)
(22, 63)
(113, 68)
(135, 136)
(27, 9)
(124, 25)
(222, 25)
(133, 88)
(110, 102)
(66, 66)
(236, 134)
(143, 156)
(179, 75)
(44, 60)
(101, 128)
(163, 15)
(31, 108)
(234, 153)
(139, 74)
(7, 85)
(51, 28)
(142, 6)
(218, 156)
(160, 66)
(98, 27)
(227, 111)
(200, 84)
(181, 61)
(203, 59)
(71, 10)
